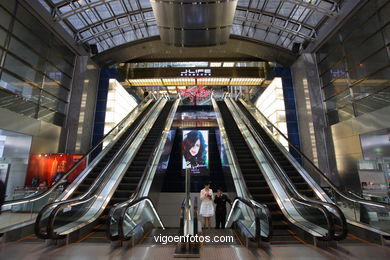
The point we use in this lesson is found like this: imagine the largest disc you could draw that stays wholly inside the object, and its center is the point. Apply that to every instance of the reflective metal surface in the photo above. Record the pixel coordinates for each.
(283, 177)
(356, 210)
(241, 188)
(111, 23)
(33, 204)
(88, 206)
(116, 223)
(194, 23)
(298, 212)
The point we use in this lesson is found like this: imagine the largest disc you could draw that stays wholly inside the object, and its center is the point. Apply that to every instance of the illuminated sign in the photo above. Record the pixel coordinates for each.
(337, 73)
(196, 73)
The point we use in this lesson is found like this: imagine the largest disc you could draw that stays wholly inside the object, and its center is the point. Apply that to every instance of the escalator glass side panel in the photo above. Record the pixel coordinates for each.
(72, 214)
(299, 182)
(251, 173)
(127, 185)
(296, 210)
(88, 181)
(23, 211)
(135, 172)
(371, 214)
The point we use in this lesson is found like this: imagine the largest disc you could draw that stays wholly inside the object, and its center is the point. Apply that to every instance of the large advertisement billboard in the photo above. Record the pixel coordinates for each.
(195, 151)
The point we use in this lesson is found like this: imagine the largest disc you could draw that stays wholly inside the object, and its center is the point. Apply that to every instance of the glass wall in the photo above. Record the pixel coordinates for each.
(36, 68)
(354, 65)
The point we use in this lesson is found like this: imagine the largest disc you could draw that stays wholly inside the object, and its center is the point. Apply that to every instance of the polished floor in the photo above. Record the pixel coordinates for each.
(35, 249)
(13, 218)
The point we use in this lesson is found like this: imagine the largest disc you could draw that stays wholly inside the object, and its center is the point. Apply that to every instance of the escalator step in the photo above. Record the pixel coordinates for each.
(260, 190)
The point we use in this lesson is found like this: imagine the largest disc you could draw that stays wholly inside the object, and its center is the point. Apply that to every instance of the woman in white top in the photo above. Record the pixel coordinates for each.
(206, 206)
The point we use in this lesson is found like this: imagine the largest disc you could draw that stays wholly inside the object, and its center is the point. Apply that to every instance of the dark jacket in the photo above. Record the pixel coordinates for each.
(221, 202)
(2, 194)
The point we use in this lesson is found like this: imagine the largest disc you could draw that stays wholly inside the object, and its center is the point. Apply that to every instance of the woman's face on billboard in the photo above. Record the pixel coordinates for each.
(195, 149)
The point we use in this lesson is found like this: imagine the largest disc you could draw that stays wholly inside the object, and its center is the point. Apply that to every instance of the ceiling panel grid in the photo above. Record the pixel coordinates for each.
(109, 23)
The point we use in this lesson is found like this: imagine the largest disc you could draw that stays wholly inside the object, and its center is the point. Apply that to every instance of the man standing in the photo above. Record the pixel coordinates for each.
(220, 210)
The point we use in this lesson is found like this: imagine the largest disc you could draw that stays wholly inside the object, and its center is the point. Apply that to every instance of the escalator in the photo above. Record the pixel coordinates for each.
(296, 178)
(254, 179)
(132, 177)
(303, 179)
(87, 182)
(16, 217)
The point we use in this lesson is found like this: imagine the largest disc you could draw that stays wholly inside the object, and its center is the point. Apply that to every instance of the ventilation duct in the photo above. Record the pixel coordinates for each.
(189, 23)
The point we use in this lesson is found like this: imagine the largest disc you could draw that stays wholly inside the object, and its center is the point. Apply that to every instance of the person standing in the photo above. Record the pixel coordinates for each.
(2, 193)
(220, 212)
(206, 206)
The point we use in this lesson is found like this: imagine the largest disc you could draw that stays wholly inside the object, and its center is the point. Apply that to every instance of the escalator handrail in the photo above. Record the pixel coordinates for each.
(322, 174)
(149, 164)
(240, 175)
(89, 194)
(234, 162)
(339, 214)
(255, 212)
(275, 165)
(53, 187)
(124, 210)
(293, 195)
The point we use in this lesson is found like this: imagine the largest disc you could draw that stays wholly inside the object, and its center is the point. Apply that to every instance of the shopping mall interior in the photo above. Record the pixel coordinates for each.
(178, 129)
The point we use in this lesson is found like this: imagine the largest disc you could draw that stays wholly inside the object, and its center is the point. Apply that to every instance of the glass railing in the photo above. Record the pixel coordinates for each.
(296, 207)
(331, 219)
(22, 211)
(241, 188)
(370, 213)
(117, 213)
(137, 214)
(60, 218)
(246, 217)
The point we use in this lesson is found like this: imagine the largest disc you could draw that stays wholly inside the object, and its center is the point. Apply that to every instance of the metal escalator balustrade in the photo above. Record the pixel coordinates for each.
(261, 192)
(21, 212)
(285, 164)
(58, 219)
(134, 173)
(286, 171)
(356, 210)
(88, 180)
(246, 218)
(128, 214)
(266, 230)
(254, 180)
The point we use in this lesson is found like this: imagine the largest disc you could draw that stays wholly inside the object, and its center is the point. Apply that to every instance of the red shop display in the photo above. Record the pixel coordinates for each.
(49, 167)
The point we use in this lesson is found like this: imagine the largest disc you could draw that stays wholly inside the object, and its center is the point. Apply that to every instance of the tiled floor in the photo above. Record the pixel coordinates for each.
(96, 251)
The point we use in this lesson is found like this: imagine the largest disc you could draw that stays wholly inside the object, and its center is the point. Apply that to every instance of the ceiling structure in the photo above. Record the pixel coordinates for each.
(237, 48)
(194, 81)
(111, 23)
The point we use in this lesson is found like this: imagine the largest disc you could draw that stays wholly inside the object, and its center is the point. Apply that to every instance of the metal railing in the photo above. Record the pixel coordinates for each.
(241, 187)
(354, 208)
(296, 194)
(133, 213)
(311, 217)
(114, 223)
(250, 216)
(48, 214)
(36, 202)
